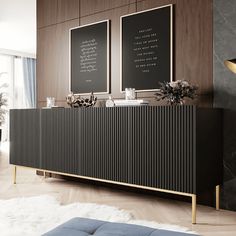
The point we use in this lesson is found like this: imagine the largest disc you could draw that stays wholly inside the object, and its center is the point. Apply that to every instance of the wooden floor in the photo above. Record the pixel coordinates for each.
(146, 207)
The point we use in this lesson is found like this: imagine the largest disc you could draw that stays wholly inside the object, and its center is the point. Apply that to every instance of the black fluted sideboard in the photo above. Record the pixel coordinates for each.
(174, 149)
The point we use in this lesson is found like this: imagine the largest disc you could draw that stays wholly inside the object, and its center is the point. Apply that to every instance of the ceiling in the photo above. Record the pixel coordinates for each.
(18, 26)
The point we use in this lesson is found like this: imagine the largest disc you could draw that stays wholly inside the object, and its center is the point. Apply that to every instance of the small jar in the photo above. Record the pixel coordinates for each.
(129, 93)
(50, 102)
(110, 102)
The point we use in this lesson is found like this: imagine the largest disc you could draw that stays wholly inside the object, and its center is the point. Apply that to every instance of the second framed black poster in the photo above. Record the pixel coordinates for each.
(146, 48)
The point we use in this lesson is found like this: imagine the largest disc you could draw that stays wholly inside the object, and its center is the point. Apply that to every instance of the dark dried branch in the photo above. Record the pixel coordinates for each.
(175, 92)
(75, 100)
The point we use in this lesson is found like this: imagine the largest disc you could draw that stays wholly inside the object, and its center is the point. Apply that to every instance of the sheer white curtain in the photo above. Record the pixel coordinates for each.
(6, 78)
(19, 99)
(17, 74)
(29, 74)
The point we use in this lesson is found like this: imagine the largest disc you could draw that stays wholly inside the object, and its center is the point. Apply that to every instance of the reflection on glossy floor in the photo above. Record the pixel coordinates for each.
(210, 221)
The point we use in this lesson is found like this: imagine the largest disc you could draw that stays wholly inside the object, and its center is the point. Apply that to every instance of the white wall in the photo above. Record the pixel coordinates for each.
(18, 27)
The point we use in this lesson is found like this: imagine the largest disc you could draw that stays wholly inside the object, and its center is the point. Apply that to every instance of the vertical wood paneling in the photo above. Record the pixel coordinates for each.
(114, 16)
(90, 7)
(53, 61)
(68, 10)
(46, 12)
(193, 40)
(46, 62)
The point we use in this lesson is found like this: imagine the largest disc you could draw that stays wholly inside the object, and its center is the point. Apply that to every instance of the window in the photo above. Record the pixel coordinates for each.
(13, 84)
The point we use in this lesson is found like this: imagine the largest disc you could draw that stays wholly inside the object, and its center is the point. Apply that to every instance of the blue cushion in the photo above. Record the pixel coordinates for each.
(88, 227)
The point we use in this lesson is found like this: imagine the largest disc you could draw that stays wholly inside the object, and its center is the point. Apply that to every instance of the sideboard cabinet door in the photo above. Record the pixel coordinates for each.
(60, 143)
(25, 137)
(161, 147)
(104, 140)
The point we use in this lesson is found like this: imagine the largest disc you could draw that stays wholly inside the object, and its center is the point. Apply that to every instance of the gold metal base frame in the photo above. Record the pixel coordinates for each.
(14, 174)
(218, 197)
(193, 196)
(194, 209)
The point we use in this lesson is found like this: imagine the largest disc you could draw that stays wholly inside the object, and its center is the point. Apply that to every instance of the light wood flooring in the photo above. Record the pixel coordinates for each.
(209, 221)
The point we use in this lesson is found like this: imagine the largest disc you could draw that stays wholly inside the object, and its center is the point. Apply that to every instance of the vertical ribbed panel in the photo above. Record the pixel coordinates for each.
(161, 147)
(149, 146)
(60, 140)
(25, 137)
(104, 143)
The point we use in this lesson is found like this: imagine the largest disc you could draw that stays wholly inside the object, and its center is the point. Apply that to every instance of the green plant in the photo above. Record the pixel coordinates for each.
(3, 102)
(175, 92)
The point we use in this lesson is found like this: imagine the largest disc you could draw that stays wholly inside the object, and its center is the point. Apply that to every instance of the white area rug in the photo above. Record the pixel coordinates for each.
(36, 215)
(4, 147)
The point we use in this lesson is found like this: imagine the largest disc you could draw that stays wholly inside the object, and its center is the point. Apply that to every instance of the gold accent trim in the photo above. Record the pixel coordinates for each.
(14, 174)
(113, 182)
(231, 65)
(193, 196)
(194, 208)
(218, 197)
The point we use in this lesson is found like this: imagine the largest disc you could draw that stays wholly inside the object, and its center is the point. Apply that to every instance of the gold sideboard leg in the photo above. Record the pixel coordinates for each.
(217, 197)
(194, 208)
(14, 174)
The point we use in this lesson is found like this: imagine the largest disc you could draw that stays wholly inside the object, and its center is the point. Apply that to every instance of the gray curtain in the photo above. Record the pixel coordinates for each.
(29, 72)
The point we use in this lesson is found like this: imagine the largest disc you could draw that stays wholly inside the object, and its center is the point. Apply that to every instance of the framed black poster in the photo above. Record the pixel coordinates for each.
(89, 58)
(146, 48)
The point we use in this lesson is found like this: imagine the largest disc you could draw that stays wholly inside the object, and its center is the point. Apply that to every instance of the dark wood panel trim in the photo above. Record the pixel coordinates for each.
(79, 12)
(61, 22)
(107, 10)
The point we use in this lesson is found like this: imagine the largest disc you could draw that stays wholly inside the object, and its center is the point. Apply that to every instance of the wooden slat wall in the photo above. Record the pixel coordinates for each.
(193, 42)
(67, 10)
(193, 39)
(53, 60)
(46, 12)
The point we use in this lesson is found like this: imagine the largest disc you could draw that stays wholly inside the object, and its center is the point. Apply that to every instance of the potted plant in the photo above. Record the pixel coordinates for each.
(3, 102)
(175, 92)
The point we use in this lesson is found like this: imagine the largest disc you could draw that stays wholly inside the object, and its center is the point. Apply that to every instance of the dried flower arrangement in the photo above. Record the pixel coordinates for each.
(175, 92)
(76, 101)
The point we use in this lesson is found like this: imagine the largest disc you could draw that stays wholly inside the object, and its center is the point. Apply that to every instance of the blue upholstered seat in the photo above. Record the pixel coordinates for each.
(88, 227)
